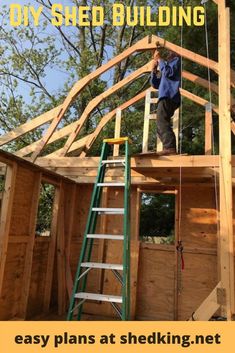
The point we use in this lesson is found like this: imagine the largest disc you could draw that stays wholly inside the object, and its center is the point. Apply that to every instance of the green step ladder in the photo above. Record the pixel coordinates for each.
(121, 303)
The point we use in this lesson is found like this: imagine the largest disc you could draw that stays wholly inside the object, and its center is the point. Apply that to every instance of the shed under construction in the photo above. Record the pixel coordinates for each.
(37, 271)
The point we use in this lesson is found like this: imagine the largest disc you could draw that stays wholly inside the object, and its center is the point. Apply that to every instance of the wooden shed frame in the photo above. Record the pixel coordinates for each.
(145, 171)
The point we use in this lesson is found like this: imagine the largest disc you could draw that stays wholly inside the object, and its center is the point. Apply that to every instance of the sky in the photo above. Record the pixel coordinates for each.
(55, 78)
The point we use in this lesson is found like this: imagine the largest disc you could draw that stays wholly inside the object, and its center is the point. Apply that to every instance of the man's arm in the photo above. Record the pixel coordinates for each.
(154, 80)
(170, 69)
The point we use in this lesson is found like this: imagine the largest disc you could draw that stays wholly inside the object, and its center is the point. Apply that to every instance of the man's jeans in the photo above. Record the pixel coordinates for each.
(165, 110)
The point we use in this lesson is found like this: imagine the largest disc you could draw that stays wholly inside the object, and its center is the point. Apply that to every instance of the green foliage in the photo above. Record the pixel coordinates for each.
(157, 215)
(45, 209)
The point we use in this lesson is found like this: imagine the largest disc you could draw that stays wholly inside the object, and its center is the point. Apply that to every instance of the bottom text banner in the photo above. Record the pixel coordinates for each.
(111, 336)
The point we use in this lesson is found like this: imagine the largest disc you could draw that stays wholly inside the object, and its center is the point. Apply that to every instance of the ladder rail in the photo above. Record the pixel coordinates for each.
(97, 192)
(126, 245)
(87, 245)
(85, 239)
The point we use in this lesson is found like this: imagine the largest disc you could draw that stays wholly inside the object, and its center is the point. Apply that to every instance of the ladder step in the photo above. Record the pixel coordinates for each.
(113, 161)
(151, 116)
(108, 210)
(102, 266)
(110, 184)
(100, 297)
(105, 236)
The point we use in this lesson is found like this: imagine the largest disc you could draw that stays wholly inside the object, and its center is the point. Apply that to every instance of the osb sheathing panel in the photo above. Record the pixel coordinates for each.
(38, 276)
(198, 217)
(198, 279)
(155, 294)
(22, 202)
(112, 250)
(12, 283)
(81, 208)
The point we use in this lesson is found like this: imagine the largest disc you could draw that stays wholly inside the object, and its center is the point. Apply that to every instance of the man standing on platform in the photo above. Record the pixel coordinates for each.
(166, 77)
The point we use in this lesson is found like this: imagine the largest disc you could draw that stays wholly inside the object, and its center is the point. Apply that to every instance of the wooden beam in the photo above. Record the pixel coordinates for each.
(6, 210)
(91, 106)
(29, 248)
(226, 246)
(143, 43)
(117, 131)
(139, 46)
(136, 162)
(199, 59)
(208, 307)
(200, 81)
(55, 137)
(197, 99)
(29, 126)
(208, 129)
(42, 119)
(91, 138)
(97, 100)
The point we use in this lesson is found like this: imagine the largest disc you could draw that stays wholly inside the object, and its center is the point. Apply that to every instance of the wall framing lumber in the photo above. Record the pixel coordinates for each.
(92, 104)
(29, 249)
(136, 162)
(69, 280)
(208, 129)
(6, 211)
(61, 258)
(29, 126)
(55, 137)
(51, 253)
(142, 45)
(89, 140)
(226, 246)
(146, 121)
(79, 86)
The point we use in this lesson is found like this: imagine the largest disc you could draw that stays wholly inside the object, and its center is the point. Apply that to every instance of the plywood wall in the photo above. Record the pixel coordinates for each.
(27, 263)
(37, 274)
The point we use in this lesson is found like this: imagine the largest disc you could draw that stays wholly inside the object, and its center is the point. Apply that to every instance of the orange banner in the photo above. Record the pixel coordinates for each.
(96, 337)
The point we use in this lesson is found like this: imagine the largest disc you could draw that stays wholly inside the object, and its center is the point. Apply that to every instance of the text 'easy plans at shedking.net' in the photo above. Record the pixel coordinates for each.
(118, 16)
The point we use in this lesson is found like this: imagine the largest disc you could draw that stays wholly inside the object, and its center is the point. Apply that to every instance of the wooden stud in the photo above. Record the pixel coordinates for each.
(61, 259)
(117, 131)
(176, 122)
(146, 121)
(176, 274)
(6, 211)
(225, 181)
(51, 253)
(135, 251)
(208, 129)
(29, 249)
(69, 280)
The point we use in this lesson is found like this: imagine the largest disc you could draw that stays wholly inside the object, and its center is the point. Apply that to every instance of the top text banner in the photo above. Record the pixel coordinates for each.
(116, 337)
